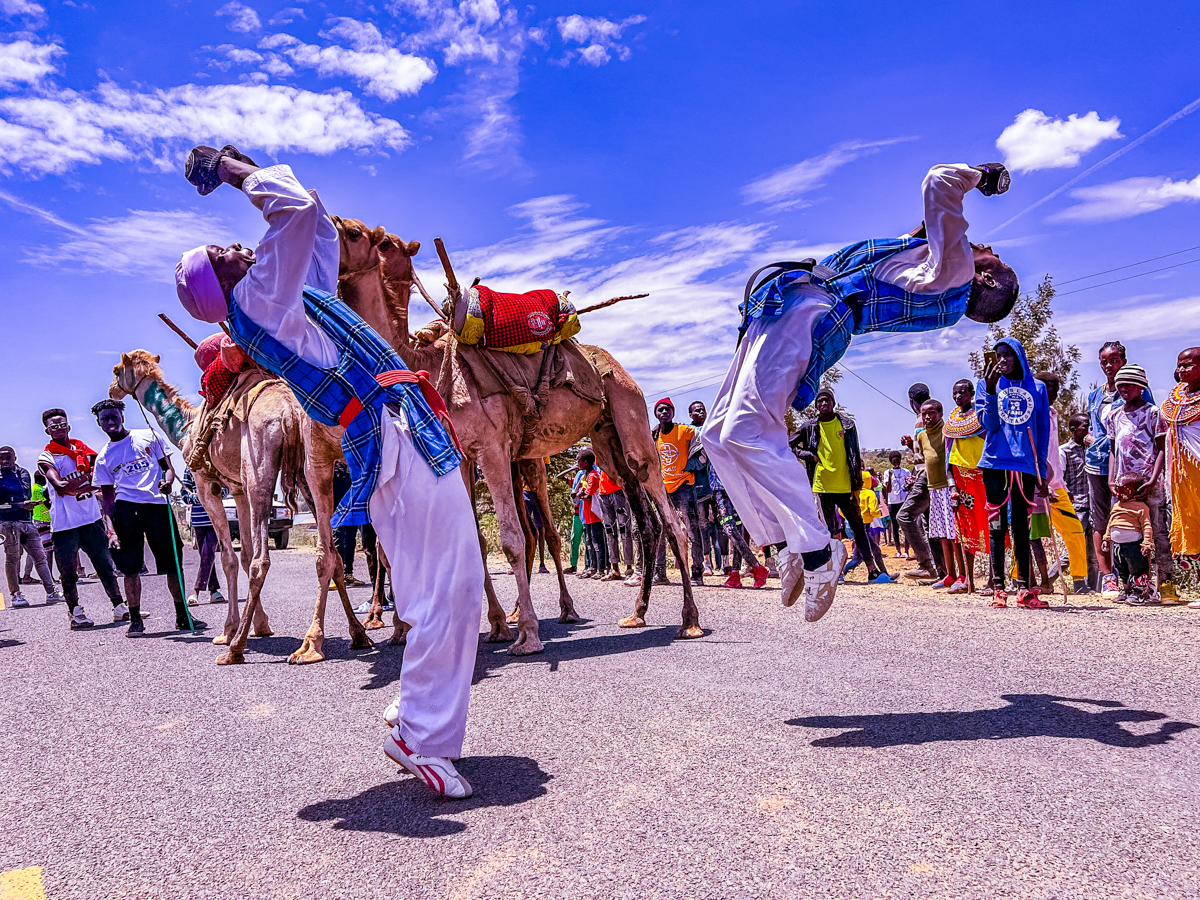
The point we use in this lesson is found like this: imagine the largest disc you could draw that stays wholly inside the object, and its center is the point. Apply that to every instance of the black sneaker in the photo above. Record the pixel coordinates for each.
(182, 625)
(136, 628)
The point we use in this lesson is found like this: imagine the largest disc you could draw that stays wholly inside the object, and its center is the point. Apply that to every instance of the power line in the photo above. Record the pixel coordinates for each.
(1128, 266)
(871, 386)
(1128, 277)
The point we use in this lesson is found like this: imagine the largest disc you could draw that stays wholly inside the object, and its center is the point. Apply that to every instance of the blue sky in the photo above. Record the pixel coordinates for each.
(602, 147)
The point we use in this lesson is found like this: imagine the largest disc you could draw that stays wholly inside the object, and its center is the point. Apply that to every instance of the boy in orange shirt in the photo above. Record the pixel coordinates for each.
(674, 442)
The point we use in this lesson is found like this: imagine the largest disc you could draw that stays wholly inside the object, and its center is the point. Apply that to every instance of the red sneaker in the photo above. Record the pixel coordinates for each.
(734, 580)
(1030, 599)
(761, 574)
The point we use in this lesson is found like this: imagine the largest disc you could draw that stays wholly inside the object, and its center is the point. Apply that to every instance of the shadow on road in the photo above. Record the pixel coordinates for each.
(406, 807)
(1027, 715)
(495, 656)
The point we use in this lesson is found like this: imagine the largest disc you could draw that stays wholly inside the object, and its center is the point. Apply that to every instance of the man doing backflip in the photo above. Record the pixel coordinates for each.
(282, 310)
(797, 323)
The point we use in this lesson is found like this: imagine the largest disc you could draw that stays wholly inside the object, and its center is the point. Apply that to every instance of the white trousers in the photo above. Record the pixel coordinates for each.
(427, 529)
(746, 437)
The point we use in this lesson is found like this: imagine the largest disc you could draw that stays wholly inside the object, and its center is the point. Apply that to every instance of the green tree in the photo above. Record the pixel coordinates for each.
(1032, 323)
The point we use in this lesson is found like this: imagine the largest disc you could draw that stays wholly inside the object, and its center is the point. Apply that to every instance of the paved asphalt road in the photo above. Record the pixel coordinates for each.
(909, 745)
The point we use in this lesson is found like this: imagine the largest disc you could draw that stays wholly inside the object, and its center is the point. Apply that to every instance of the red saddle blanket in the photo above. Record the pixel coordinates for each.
(511, 320)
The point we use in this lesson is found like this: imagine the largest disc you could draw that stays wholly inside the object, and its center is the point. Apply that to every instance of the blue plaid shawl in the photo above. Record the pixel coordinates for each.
(862, 303)
(325, 393)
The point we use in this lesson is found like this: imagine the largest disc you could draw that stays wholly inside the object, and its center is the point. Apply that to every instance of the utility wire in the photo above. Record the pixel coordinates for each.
(1128, 277)
(1128, 266)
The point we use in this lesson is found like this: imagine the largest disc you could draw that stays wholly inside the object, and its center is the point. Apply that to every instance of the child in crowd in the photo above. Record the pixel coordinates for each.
(895, 486)
(593, 525)
(932, 443)
(869, 507)
(1073, 458)
(964, 434)
(1130, 538)
(1138, 438)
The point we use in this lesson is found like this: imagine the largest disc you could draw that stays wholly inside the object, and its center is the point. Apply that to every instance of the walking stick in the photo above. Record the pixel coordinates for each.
(1049, 519)
(179, 331)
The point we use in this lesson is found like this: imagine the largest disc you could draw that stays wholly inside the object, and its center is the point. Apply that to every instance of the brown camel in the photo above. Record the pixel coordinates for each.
(248, 457)
(491, 430)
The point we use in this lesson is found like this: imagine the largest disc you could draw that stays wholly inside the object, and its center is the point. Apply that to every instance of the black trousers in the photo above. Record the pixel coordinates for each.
(92, 540)
(915, 506)
(345, 539)
(598, 544)
(852, 513)
(1010, 494)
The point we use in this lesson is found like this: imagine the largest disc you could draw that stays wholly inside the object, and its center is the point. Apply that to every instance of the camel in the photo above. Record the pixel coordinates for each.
(491, 429)
(248, 458)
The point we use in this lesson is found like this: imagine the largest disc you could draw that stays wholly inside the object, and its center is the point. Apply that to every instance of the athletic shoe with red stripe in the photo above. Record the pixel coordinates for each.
(437, 772)
(391, 715)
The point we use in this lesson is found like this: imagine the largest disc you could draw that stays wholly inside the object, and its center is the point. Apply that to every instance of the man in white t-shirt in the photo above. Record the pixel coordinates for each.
(134, 473)
(75, 517)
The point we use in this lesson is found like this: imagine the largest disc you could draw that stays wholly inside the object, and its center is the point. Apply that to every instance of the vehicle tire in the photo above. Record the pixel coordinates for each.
(281, 539)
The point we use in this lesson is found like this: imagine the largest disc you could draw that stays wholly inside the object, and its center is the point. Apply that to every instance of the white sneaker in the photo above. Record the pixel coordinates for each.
(54, 597)
(79, 619)
(193, 600)
(823, 582)
(19, 601)
(120, 613)
(708, 569)
(633, 580)
(436, 771)
(791, 574)
(391, 715)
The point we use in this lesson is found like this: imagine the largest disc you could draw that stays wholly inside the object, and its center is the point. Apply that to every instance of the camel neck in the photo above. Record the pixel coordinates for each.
(160, 403)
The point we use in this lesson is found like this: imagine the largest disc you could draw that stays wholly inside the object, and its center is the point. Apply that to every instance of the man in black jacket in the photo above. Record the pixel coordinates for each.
(828, 447)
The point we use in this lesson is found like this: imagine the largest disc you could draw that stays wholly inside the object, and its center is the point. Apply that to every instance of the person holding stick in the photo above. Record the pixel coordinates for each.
(1015, 414)
(798, 322)
(282, 311)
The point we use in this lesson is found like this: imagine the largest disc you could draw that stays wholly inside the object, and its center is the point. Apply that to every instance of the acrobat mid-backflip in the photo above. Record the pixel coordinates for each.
(797, 322)
(281, 306)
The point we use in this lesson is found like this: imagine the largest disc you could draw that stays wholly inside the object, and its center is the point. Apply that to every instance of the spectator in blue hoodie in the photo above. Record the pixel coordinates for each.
(1014, 410)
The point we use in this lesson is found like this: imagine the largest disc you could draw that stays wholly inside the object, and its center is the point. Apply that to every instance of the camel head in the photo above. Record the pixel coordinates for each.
(134, 368)
(359, 246)
(397, 258)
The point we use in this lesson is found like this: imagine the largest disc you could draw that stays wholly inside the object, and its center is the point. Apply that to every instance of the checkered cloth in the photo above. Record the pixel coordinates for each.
(514, 319)
(862, 303)
(325, 394)
(216, 382)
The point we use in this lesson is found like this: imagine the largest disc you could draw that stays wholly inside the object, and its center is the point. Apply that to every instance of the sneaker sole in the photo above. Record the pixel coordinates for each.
(432, 779)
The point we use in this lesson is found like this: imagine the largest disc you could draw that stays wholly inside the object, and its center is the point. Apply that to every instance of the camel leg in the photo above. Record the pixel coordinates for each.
(499, 632)
(649, 531)
(377, 565)
(497, 469)
(535, 477)
(209, 491)
(526, 529)
(679, 546)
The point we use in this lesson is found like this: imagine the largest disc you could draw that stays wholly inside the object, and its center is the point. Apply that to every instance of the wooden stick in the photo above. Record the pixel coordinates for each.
(421, 289)
(179, 331)
(228, 333)
(452, 282)
(580, 312)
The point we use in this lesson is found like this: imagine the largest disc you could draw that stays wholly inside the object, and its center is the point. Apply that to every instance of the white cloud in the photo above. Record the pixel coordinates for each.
(785, 188)
(140, 244)
(694, 277)
(59, 131)
(241, 17)
(13, 8)
(381, 70)
(1035, 141)
(1127, 198)
(1142, 317)
(473, 30)
(23, 62)
(287, 16)
(602, 37)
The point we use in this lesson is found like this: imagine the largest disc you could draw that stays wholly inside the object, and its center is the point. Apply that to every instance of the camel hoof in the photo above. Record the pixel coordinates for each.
(526, 647)
(634, 621)
(397, 640)
(500, 634)
(688, 632)
(361, 642)
(567, 618)
(231, 658)
(373, 624)
(303, 657)
(265, 633)
(222, 639)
